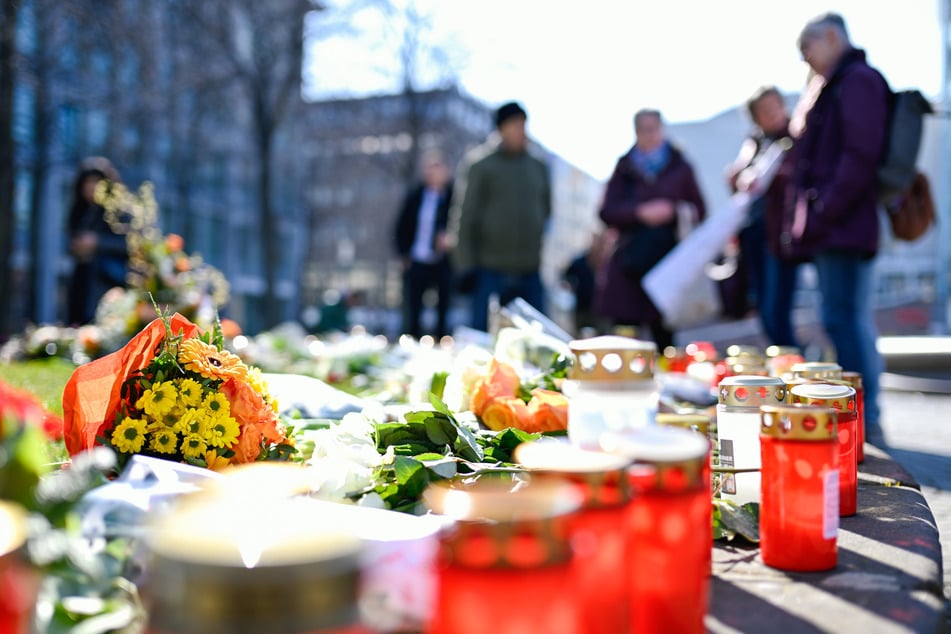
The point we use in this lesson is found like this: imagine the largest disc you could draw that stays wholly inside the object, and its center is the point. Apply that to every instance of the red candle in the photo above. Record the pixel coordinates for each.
(855, 380)
(18, 581)
(799, 513)
(505, 563)
(841, 398)
(597, 537)
(667, 528)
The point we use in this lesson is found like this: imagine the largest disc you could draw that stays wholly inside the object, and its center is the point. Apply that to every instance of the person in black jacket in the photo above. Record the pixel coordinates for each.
(100, 255)
(422, 244)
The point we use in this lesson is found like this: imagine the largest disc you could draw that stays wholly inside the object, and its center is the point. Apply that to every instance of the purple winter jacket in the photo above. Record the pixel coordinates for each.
(620, 297)
(833, 163)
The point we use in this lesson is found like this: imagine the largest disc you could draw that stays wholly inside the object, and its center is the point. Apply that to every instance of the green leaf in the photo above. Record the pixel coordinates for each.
(441, 466)
(440, 431)
(438, 385)
(411, 475)
(731, 519)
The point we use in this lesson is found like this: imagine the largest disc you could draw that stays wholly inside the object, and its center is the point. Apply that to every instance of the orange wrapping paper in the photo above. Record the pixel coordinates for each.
(92, 394)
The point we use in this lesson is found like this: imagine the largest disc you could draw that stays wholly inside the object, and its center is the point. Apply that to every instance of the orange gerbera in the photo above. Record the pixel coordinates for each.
(211, 363)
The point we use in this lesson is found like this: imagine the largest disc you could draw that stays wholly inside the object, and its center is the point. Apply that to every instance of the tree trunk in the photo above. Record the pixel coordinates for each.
(7, 164)
(272, 312)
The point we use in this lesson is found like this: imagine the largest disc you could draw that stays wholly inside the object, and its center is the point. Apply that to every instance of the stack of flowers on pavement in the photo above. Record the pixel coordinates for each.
(174, 393)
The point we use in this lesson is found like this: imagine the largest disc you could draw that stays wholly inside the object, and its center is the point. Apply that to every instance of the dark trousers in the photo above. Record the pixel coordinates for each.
(417, 279)
(772, 284)
(507, 286)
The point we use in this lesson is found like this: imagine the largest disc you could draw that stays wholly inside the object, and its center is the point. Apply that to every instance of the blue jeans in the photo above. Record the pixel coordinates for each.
(846, 282)
(507, 286)
(776, 299)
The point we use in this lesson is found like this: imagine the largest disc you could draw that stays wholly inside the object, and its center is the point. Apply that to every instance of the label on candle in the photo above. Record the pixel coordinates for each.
(830, 509)
(728, 481)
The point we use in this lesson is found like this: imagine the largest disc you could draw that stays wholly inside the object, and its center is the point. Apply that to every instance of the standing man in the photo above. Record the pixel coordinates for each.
(503, 201)
(839, 129)
(423, 246)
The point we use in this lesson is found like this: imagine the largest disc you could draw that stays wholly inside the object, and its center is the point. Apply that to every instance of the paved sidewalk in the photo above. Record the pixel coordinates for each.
(918, 432)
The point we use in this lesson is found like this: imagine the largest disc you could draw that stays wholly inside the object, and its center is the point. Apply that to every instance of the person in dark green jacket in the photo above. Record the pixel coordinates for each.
(501, 206)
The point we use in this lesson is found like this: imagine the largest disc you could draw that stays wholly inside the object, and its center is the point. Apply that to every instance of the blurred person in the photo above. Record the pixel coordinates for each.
(641, 202)
(839, 130)
(500, 210)
(100, 255)
(580, 277)
(771, 278)
(422, 243)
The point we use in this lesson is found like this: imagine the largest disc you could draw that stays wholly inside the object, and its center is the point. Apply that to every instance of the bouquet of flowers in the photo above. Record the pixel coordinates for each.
(159, 266)
(175, 393)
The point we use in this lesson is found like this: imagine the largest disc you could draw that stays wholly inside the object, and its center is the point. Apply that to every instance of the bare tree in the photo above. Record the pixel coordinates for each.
(263, 44)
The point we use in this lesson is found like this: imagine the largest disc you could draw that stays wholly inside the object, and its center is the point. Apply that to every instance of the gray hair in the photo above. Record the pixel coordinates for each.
(647, 112)
(818, 25)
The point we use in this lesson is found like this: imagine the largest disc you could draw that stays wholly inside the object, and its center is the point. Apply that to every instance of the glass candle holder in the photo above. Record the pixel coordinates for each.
(799, 513)
(854, 379)
(740, 398)
(781, 359)
(19, 582)
(506, 557)
(667, 528)
(817, 370)
(842, 399)
(693, 421)
(597, 538)
(216, 567)
(610, 387)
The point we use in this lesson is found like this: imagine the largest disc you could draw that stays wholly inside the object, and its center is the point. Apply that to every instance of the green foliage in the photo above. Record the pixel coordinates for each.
(45, 378)
(731, 519)
(434, 445)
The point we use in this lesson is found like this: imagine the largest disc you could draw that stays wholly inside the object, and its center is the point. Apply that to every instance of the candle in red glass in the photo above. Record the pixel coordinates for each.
(18, 581)
(597, 537)
(855, 380)
(698, 423)
(505, 562)
(842, 399)
(799, 513)
(817, 370)
(667, 528)
(781, 359)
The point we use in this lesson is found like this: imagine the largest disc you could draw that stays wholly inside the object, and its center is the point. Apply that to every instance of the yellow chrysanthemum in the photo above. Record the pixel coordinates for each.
(216, 462)
(192, 422)
(159, 400)
(216, 405)
(194, 446)
(211, 363)
(129, 435)
(223, 432)
(164, 441)
(189, 392)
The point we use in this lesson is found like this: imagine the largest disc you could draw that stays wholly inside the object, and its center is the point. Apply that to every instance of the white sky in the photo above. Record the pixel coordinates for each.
(582, 68)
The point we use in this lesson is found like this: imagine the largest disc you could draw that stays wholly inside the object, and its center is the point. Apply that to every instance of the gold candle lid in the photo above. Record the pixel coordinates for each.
(835, 395)
(695, 421)
(744, 364)
(740, 350)
(612, 358)
(782, 351)
(853, 378)
(600, 475)
(817, 370)
(672, 453)
(813, 423)
(751, 391)
(505, 523)
(270, 565)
